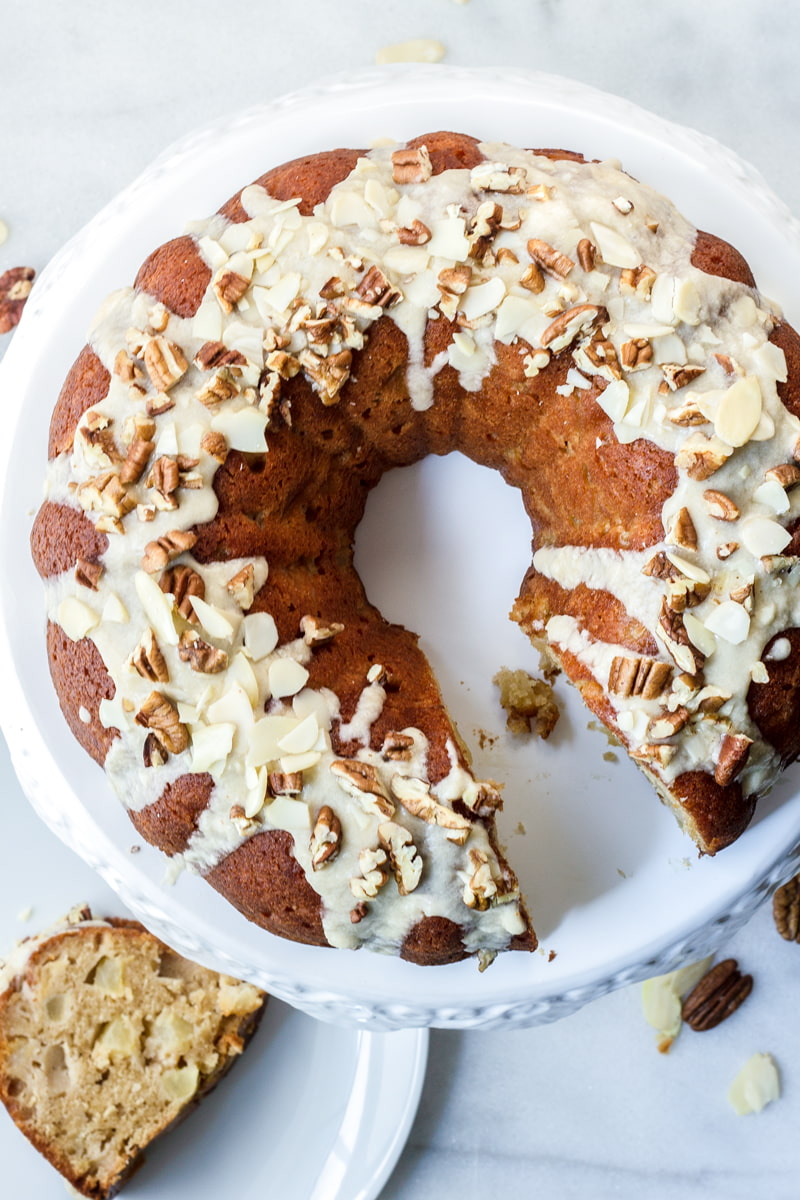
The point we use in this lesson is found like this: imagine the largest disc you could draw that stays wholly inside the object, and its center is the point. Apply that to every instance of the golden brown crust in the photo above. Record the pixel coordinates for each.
(60, 536)
(81, 682)
(775, 706)
(176, 275)
(171, 821)
(717, 815)
(85, 385)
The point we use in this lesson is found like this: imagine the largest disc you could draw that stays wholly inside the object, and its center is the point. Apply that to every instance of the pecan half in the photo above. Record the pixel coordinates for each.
(717, 995)
(404, 859)
(161, 716)
(183, 582)
(200, 655)
(786, 910)
(15, 287)
(159, 553)
(411, 165)
(326, 838)
(415, 795)
(165, 363)
(720, 506)
(733, 753)
(361, 781)
(148, 660)
(587, 254)
(646, 677)
(549, 259)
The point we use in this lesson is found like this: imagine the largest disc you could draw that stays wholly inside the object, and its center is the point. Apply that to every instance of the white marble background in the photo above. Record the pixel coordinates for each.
(90, 91)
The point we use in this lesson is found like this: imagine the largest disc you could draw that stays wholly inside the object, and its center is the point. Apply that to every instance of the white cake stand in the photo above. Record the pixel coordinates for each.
(617, 892)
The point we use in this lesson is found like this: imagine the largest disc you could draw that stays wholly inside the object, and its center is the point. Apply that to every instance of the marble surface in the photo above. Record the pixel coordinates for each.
(89, 94)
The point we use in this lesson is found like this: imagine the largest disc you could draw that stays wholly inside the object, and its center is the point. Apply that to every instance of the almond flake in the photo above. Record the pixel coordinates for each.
(755, 1086)
(76, 618)
(739, 412)
(730, 621)
(286, 677)
(260, 634)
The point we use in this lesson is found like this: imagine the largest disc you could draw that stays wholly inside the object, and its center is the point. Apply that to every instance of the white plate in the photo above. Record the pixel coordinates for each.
(312, 1112)
(616, 891)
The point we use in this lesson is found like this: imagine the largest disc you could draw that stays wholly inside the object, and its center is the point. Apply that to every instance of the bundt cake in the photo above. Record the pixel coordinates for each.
(212, 451)
(107, 1039)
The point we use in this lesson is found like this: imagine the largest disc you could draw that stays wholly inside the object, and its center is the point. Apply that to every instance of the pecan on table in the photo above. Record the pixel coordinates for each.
(717, 995)
(786, 910)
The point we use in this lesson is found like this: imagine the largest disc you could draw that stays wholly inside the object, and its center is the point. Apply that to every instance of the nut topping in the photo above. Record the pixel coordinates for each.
(786, 910)
(153, 753)
(136, 460)
(481, 887)
(415, 795)
(549, 259)
(411, 165)
(397, 747)
(148, 660)
(636, 355)
(637, 281)
(720, 506)
(360, 780)
(374, 868)
(159, 553)
(668, 724)
(183, 582)
(213, 355)
(404, 860)
(242, 586)
(567, 325)
(165, 363)
(315, 633)
(160, 715)
(717, 996)
(678, 375)
(532, 279)
(229, 288)
(681, 531)
(88, 573)
(326, 838)
(282, 783)
(672, 631)
(587, 254)
(415, 234)
(733, 753)
(645, 677)
(700, 456)
(375, 288)
(201, 657)
(215, 445)
(786, 474)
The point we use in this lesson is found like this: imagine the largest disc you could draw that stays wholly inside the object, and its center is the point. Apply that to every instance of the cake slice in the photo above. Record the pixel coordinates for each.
(107, 1039)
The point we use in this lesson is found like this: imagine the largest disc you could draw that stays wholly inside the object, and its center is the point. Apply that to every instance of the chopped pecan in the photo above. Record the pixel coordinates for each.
(454, 280)
(165, 363)
(587, 254)
(678, 375)
(223, 385)
(700, 456)
(148, 660)
(397, 747)
(688, 413)
(786, 474)
(637, 281)
(136, 460)
(636, 354)
(672, 631)
(497, 177)
(164, 478)
(158, 404)
(733, 753)
(242, 586)
(153, 753)
(506, 254)
(650, 753)
(183, 582)
(404, 859)
(160, 715)
(786, 909)
(415, 795)
(720, 506)
(549, 259)
(374, 868)
(532, 279)
(229, 287)
(717, 995)
(568, 324)
(375, 288)
(201, 657)
(215, 445)
(15, 287)
(659, 567)
(88, 573)
(329, 375)
(105, 494)
(639, 676)
(213, 355)
(415, 234)
(316, 632)
(160, 553)
(602, 353)
(285, 783)
(680, 530)
(481, 887)
(361, 781)
(358, 913)
(411, 165)
(667, 724)
(326, 838)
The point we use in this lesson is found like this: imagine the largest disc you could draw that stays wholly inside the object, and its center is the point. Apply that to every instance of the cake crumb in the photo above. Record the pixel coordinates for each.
(529, 702)
(551, 955)
(3, 231)
(25, 914)
(520, 829)
(486, 739)
(599, 727)
(610, 756)
(135, 849)
(621, 873)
